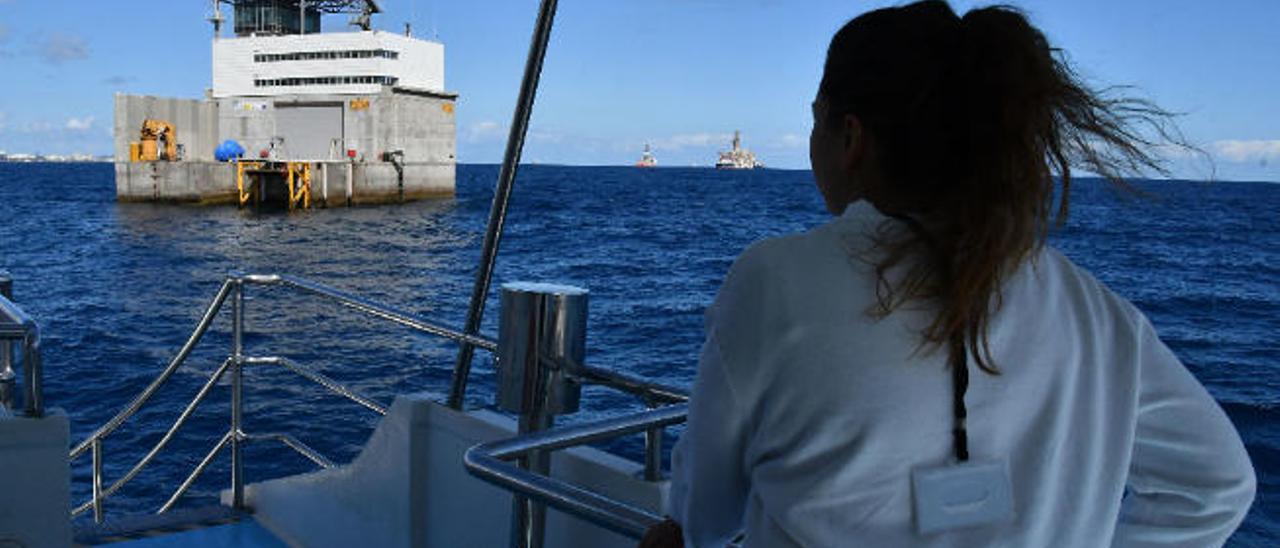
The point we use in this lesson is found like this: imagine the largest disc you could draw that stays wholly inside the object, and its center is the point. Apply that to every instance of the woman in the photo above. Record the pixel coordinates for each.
(923, 370)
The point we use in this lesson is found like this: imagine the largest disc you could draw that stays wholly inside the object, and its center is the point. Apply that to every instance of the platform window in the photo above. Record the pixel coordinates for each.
(324, 81)
(326, 55)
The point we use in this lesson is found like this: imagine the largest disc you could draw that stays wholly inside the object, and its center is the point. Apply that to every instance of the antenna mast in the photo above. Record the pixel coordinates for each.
(216, 19)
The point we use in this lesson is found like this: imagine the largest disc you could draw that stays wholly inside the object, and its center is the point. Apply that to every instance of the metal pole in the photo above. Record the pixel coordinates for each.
(97, 480)
(502, 194)
(541, 335)
(529, 525)
(652, 449)
(324, 184)
(8, 379)
(351, 180)
(302, 16)
(33, 370)
(237, 395)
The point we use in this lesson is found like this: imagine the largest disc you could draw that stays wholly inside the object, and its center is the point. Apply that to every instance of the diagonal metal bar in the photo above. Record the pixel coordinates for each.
(297, 445)
(201, 327)
(382, 311)
(502, 194)
(177, 424)
(195, 474)
(321, 379)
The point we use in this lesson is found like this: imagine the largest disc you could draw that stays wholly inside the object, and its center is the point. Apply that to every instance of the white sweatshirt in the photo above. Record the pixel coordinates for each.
(808, 414)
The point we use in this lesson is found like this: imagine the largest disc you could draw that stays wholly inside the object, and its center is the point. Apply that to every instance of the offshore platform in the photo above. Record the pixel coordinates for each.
(296, 116)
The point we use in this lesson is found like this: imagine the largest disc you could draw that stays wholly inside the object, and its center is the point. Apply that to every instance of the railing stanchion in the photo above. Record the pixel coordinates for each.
(652, 448)
(8, 378)
(97, 480)
(237, 394)
(541, 335)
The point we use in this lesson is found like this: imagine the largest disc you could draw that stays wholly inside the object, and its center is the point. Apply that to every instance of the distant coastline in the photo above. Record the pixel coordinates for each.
(53, 158)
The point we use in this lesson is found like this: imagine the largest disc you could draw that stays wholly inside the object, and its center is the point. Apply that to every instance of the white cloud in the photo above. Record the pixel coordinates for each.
(687, 140)
(36, 127)
(80, 124)
(1260, 151)
(59, 47)
(791, 140)
(550, 137)
(485, 131)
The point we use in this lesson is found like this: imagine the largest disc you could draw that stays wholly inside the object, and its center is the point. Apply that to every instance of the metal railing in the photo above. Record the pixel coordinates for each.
(491, 462)
(234, 438)
(233, 288)
(17, 328)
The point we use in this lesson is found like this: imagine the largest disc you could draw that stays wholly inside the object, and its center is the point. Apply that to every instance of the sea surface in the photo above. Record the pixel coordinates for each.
(118, 288)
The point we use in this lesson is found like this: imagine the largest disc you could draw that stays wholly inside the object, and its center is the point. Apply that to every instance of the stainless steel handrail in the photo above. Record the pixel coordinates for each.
(385, 312)
(202, 326)
(233, 287)
(155, 449)
(195, 474)
(16, 325)
(652, 393)
(489, 461)
(647, 390)
(294, 443)
(320, 379)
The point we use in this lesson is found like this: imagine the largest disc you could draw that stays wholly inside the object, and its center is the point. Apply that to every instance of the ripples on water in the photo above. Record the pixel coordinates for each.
(118, 287)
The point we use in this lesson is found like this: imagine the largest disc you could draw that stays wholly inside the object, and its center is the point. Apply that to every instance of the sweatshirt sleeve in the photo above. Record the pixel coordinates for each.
(1190, 479)
(708, 480)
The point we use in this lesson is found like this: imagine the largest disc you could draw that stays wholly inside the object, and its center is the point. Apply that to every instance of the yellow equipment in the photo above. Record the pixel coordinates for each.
(295, 175)
(149, 150)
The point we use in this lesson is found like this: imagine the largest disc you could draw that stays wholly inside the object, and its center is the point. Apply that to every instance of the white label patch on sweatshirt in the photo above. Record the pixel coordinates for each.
(957, 496)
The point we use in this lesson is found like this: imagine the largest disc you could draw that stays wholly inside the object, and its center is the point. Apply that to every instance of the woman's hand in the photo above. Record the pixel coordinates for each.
(663, 535)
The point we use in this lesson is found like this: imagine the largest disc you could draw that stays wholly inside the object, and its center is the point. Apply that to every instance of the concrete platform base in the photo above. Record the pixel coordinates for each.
(334, 184)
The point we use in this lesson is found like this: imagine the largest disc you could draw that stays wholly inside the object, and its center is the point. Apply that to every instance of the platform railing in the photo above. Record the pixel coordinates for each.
(233, 440)
(19, 329)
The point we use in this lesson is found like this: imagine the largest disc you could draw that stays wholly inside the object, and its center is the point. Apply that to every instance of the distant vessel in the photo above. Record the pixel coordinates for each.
(738, 157)
(647, 159)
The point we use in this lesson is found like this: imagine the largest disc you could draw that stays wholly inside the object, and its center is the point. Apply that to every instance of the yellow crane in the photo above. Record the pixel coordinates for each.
(148, 150)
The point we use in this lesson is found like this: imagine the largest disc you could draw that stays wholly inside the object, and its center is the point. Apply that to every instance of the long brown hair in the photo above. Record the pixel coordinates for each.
(975, 121)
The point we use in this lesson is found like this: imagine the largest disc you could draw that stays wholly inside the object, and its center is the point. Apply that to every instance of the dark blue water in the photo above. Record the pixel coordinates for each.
(118, 287)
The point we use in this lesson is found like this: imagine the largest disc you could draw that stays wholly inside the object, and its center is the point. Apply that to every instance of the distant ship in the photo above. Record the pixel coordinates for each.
(647, 159)
(738, 157)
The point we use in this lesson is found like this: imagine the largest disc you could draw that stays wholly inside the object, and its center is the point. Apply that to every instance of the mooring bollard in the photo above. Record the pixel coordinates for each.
(541, 339)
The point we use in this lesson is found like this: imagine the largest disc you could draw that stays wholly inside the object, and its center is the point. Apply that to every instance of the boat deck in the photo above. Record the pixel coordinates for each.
(241, 533)
(195, 528)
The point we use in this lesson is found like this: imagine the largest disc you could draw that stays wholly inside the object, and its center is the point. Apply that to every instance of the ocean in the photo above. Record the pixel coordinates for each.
(118, 288)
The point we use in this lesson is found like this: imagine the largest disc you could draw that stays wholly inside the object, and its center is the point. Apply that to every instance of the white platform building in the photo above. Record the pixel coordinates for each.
(368, 108)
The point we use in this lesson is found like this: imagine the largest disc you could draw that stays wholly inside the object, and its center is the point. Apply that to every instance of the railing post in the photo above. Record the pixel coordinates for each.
(33, 370)
(652, 448)
(541, 336)
(8, 379)
(97, 480)
(237, 394)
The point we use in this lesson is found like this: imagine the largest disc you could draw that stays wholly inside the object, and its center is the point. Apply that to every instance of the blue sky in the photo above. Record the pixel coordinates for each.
(678, 74)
